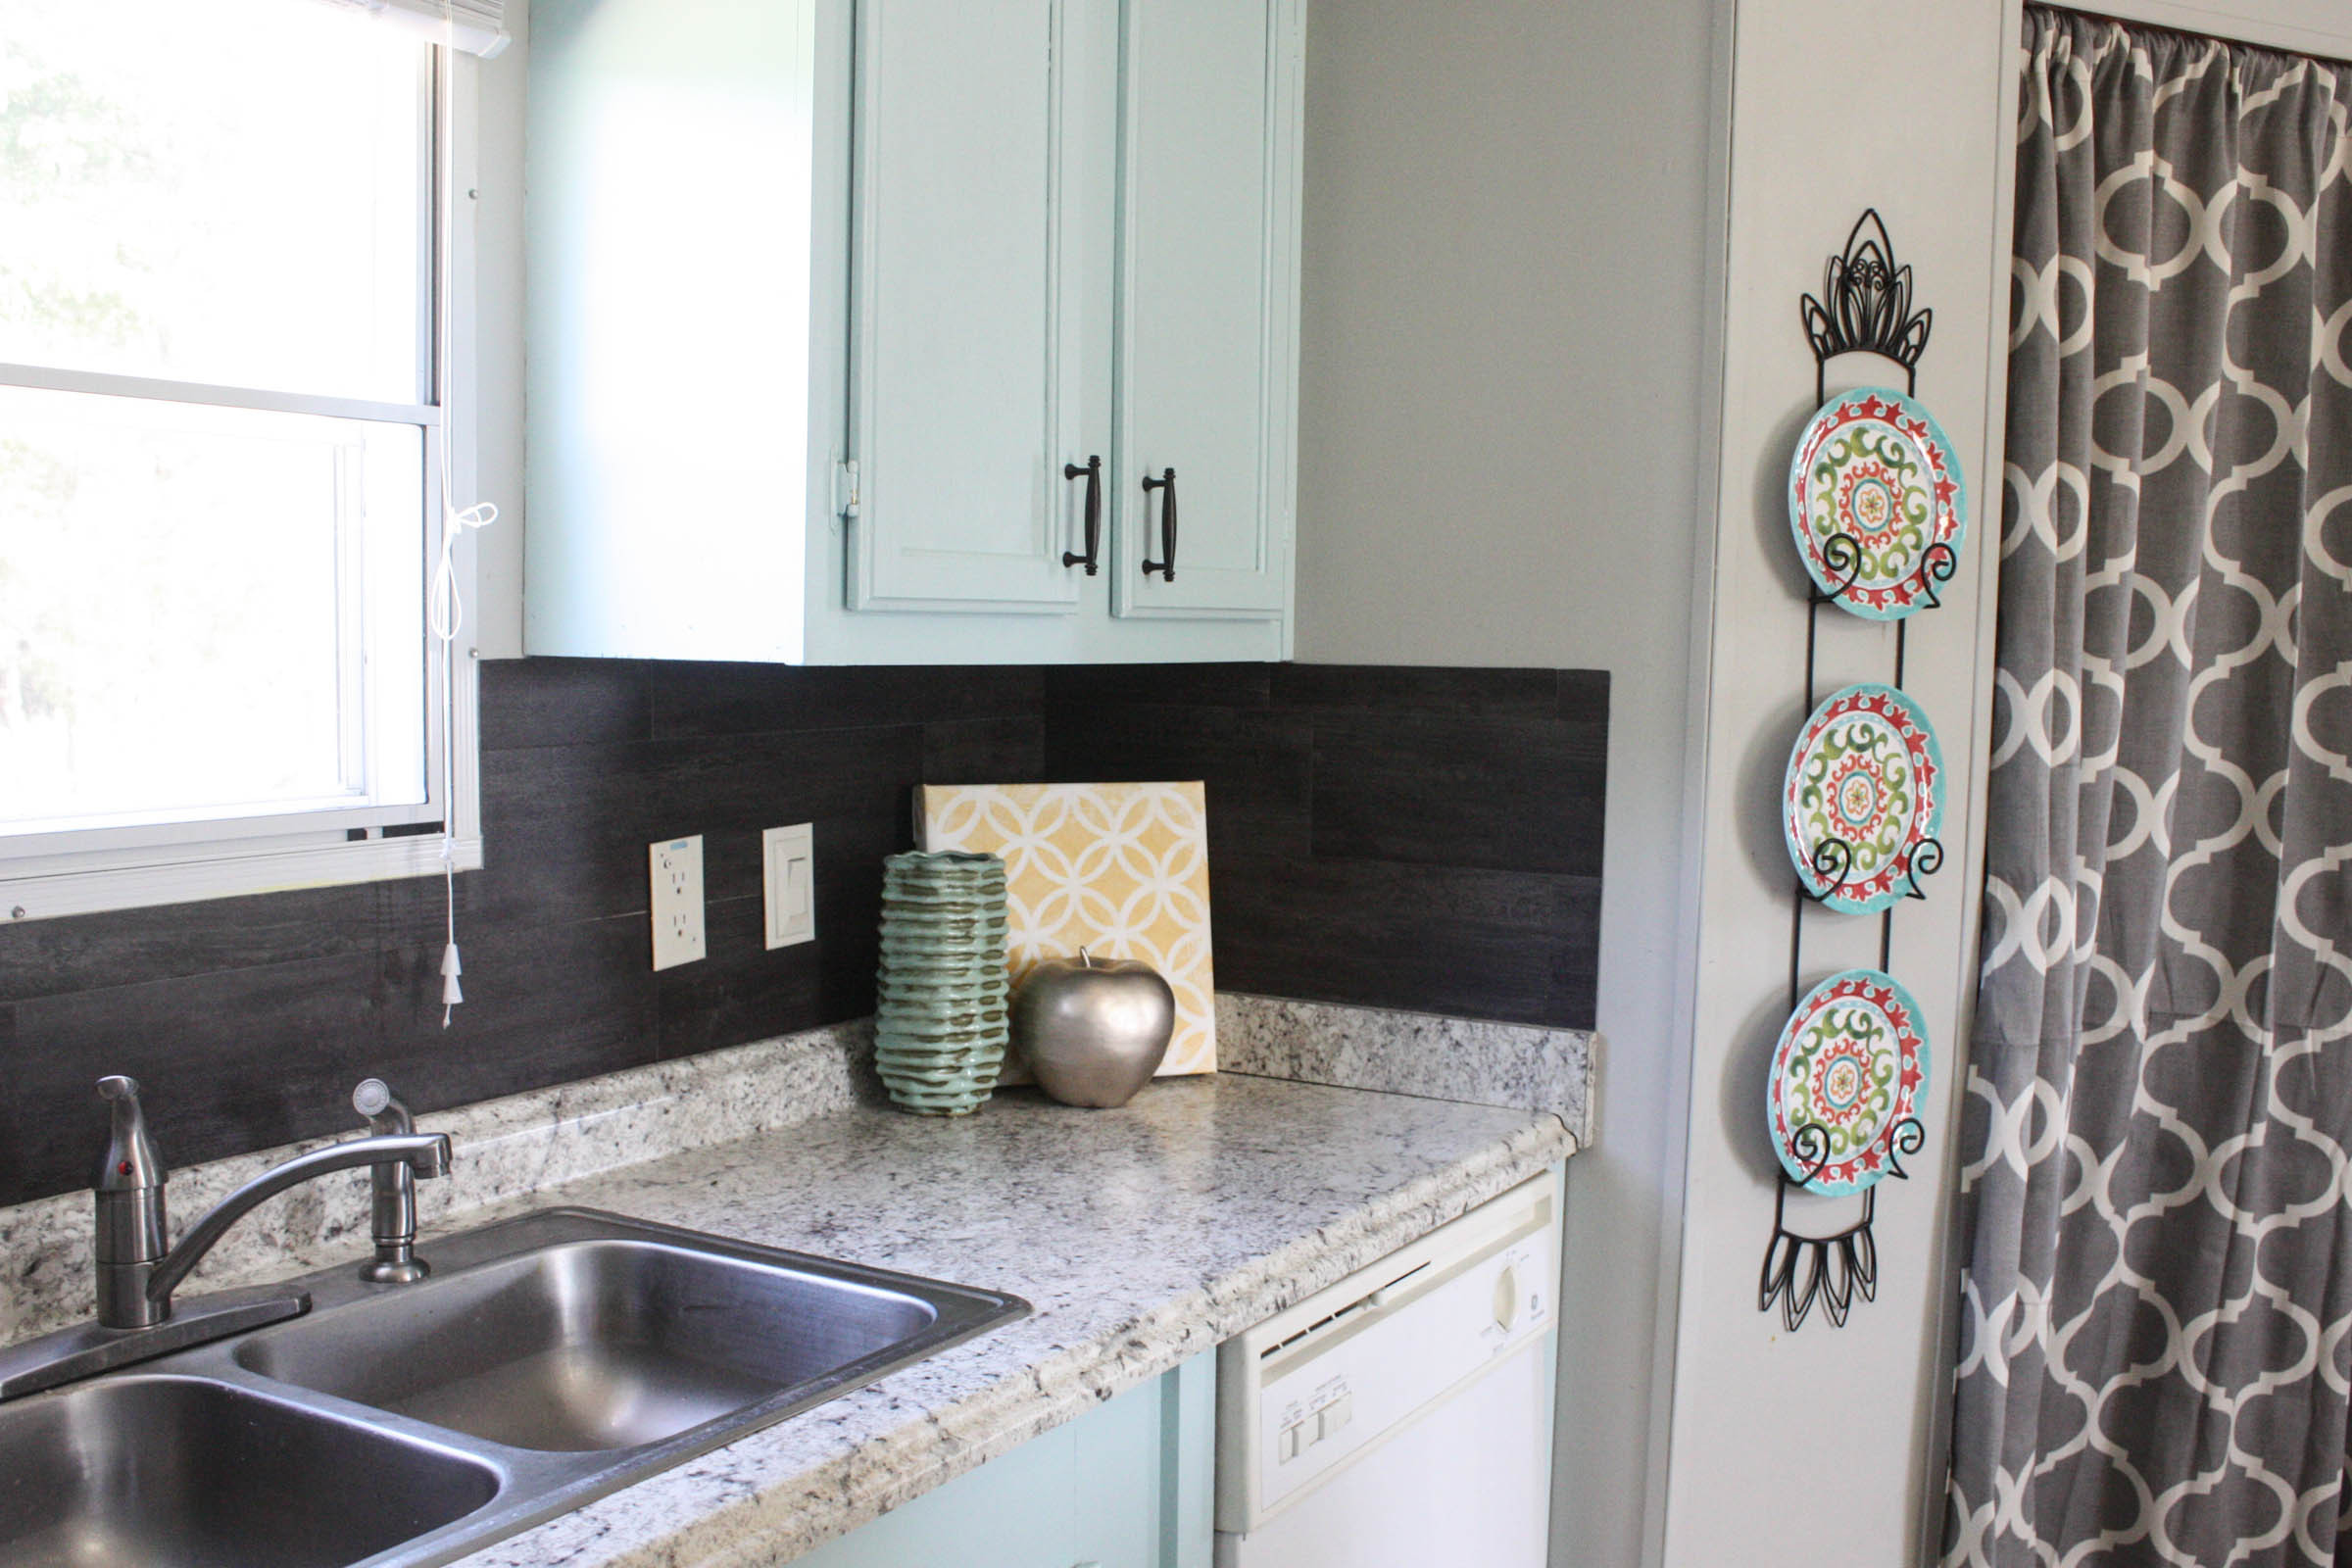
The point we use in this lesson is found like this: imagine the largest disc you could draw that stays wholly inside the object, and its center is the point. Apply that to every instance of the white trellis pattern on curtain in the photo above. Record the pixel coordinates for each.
(2157, 1333)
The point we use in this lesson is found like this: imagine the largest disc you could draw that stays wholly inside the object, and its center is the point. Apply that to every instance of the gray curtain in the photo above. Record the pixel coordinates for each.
(2156, 1123)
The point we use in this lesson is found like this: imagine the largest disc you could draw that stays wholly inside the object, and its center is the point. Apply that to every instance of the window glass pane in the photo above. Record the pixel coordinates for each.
(189, 602)
(204, 196)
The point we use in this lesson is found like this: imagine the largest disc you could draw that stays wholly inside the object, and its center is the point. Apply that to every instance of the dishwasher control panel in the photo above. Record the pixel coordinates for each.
(1331, 1377)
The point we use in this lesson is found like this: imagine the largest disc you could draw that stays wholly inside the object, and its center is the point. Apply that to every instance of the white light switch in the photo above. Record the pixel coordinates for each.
(790, 856)
(677, 901)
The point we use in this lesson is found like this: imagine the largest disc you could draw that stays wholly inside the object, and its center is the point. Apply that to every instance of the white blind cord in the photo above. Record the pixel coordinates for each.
(444, 605)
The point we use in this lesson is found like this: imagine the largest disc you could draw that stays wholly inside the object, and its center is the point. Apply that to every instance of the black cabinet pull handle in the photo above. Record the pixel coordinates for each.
(1166, 564)
(1092, 469)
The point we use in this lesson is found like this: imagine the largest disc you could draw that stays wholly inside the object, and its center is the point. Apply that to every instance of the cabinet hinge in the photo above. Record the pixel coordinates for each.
(845, 488)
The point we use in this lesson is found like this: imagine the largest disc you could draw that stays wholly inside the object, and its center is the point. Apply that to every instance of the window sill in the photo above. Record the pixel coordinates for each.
(230, 874)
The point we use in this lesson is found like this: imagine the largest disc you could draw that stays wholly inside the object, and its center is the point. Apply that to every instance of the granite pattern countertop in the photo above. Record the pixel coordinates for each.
(1142, 1237)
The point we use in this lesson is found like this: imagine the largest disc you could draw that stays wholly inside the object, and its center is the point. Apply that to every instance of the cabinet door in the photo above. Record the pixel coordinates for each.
(1129, 1485)
(965, 370)
(1013, 1512)
(1208, 304)
(1147, 1473)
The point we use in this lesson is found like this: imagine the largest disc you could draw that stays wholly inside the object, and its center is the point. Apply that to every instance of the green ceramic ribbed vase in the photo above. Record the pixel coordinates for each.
(940, 1022)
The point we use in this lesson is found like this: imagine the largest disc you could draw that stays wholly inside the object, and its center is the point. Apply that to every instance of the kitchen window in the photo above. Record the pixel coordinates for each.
(221, 451)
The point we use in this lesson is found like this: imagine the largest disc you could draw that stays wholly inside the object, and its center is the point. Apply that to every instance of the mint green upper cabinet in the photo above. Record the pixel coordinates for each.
(966, 286)
(825, 296)
(1102, 260)
(1208, 304)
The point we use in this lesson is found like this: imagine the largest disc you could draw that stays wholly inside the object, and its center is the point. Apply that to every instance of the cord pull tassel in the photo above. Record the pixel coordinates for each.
(451, 991)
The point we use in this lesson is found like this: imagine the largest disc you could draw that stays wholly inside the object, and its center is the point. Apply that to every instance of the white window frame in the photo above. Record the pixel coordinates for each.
(177, 862)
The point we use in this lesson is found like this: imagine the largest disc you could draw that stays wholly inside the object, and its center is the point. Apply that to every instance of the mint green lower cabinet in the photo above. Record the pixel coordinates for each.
(1129, 1485)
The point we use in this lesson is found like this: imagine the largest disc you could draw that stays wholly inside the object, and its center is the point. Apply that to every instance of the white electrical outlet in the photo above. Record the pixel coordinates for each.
(677, 870)
(790, 858)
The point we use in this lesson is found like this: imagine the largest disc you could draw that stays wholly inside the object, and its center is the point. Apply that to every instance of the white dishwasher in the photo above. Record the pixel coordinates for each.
(1400, 1418)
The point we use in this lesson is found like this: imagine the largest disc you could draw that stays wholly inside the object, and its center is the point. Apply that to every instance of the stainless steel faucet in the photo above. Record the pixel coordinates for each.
(137, 1274)
(131, 1227)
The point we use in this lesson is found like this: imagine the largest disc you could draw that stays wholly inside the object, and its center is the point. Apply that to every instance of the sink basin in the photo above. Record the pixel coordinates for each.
(136, 1470)
(591, 1345)
(549, 1360)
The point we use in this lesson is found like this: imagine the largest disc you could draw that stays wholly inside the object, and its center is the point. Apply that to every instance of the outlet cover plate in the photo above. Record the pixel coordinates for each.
(677, 901)
(789, 855)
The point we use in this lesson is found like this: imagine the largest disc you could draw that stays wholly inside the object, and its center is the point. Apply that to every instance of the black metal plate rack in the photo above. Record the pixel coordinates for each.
(1864, 308)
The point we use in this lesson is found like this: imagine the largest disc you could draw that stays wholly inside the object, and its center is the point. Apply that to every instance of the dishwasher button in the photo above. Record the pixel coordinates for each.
(1288, 1448)
(1339, 1413)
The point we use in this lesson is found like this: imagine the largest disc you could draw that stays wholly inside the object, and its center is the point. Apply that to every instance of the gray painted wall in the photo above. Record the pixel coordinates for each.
(1504, 303)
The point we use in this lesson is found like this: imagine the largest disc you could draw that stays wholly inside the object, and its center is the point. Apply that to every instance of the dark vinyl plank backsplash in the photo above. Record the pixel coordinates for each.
(1399, 836)
(1417, 838)
(248, 1021)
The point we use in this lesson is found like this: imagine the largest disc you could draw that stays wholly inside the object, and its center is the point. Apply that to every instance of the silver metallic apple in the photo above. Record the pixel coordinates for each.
(1093, 1031)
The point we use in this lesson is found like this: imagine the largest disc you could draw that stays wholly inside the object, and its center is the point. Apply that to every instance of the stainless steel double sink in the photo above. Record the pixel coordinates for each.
(549, 1360)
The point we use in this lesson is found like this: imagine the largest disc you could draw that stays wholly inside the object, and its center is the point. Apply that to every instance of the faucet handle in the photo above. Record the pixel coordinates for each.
(129, 1162)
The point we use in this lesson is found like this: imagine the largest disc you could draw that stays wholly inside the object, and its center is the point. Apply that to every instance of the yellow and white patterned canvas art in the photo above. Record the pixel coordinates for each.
(1120, 869)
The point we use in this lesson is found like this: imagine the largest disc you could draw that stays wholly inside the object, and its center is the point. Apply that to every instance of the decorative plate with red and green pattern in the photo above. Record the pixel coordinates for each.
(1853, 1063)
(1863, 792)
(1873, 467)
